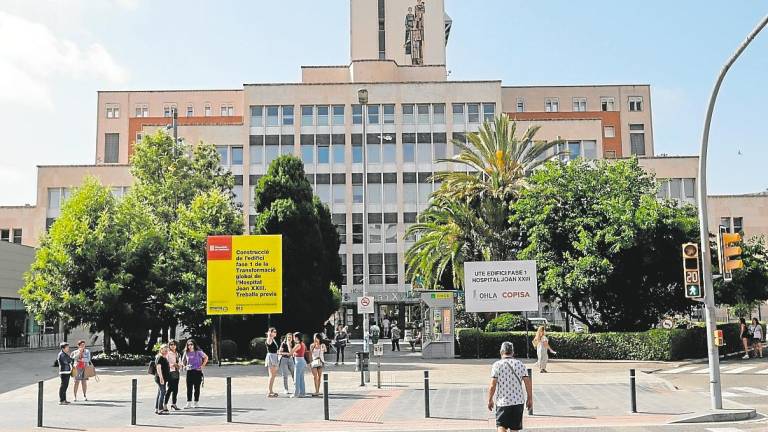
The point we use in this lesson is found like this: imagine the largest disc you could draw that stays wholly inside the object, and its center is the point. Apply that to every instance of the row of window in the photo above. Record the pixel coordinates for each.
(680, 189)
(142, 110)
(382, 269)
(11, 235)
(58, 195)
(733, 224)
(579, 104)
(334, 115)
(382, 227)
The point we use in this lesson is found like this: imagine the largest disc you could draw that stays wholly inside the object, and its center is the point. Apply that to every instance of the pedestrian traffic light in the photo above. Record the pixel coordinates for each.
(691, 279)
(719, 340)
(729, 252)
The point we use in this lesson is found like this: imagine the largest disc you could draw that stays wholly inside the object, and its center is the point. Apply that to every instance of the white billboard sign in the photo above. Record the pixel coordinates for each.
(500, 286)
(365, 305)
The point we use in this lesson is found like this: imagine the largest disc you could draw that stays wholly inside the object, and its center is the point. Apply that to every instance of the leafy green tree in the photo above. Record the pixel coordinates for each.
(605, 247)
(749, 284)
(285, 205)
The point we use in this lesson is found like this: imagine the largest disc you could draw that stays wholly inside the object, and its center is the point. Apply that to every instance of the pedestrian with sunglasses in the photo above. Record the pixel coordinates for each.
(194, 361)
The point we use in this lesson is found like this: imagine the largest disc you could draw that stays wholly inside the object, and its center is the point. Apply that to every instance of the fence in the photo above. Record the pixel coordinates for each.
(32, 341)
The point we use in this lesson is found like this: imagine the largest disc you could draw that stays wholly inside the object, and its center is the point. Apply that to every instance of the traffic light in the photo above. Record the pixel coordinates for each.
(719, 339)
(691, 279)
(729, 252)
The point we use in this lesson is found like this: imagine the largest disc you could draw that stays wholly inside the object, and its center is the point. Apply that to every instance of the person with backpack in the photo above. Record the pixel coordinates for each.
(375, 332)
(510, 389)
(65, 372)
(194, 360)
(340, 340)
(162, 371)
(395, 332)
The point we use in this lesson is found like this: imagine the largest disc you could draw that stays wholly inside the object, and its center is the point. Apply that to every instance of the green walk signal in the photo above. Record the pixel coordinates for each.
(693, 291)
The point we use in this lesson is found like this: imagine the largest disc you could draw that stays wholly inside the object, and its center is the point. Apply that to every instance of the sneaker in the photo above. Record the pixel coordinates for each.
(175, 407)
(85, 398)
(197, 404)
(287, 393)
(63, 403)
(188, 405)
(746, 357)
(75, 400)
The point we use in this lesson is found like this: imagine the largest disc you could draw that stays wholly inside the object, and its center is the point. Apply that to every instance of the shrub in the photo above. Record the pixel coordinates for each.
(506, 322)
(228, 349)
(119, 359)
(258, 348)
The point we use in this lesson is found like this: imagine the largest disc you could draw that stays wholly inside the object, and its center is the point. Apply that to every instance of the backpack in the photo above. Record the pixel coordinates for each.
(152, 370)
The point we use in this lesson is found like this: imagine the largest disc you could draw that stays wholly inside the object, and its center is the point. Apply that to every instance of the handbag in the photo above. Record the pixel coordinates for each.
(90, 371)
(317, 363)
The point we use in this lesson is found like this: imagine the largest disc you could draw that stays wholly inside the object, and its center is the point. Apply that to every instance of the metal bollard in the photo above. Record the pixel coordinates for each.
(134, 391)
(361, 365)
(530, 377)
(378, 372)
(326, 408)
(426, 394)
(229, 399)
(39, 404)
(632, 391)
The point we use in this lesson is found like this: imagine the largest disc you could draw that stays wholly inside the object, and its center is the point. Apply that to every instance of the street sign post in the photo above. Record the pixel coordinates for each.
(365, 305)
(691, 275)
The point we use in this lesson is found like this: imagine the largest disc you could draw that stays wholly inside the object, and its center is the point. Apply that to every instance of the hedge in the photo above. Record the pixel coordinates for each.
(656, 344)
(120, 359)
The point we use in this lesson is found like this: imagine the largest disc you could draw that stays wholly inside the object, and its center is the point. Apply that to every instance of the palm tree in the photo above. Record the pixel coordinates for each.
(498, 162)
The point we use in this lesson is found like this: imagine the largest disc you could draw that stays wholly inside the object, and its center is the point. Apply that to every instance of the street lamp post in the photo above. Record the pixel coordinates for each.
(362, 98)
(706, 263)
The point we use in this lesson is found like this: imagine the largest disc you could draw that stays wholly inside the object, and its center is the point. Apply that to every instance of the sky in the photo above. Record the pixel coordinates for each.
(56, 54)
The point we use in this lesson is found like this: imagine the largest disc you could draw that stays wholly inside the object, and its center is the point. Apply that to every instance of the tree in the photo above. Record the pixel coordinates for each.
(750, 284)
(286, 206)
(606, 248)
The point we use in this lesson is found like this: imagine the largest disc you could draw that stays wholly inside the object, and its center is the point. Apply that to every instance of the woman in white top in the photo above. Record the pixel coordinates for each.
(757, 336)
(318, 361)
(541, 343)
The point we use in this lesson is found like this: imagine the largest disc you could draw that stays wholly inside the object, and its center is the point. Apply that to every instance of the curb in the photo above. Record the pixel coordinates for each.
(717, 416)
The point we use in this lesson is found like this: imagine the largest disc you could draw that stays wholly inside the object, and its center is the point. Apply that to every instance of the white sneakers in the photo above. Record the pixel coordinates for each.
(746, 357)
(188, 405)
(197, 404)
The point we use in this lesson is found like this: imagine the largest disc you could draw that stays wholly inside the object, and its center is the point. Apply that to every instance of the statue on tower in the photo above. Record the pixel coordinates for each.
(414, 33)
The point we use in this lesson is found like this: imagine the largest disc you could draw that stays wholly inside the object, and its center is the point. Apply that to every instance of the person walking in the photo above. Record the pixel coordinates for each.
(174, 376)
(395, 338)
(744, 336)
(340, 343)
(385, 325)
(65, 372)
(194, 362)
(162, 372)
(286, 364)
(757, 337)
(318, 361)
(506, 393)
(541, 343)
(273, 360)
(299, 390)
(374, 332)
(82, 359)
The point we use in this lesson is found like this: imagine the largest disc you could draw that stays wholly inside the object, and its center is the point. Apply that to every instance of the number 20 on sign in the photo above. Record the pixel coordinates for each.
(691, 282)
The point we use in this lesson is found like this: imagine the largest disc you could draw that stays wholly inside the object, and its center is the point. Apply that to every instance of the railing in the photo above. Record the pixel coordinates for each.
(32, 341)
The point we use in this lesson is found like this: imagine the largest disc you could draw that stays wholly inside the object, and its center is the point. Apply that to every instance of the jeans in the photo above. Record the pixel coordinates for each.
(63, 387)
(340, 350)
(194, 378)
(298, 377)
(160, 400)
(286, 370)
(395, 344)
(173, 390)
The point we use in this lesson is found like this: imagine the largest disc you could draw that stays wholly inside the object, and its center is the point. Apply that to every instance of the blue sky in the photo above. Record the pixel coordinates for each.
(62, 52)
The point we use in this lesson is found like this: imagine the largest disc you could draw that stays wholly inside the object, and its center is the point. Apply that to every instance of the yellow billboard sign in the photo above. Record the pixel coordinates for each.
(245, 275)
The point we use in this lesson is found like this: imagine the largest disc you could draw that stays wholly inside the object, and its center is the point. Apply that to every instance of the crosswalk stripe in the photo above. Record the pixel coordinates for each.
(724, 430)
(702, 371)
(740, 369)
(763, 372)
(679, 370)
(752, 390)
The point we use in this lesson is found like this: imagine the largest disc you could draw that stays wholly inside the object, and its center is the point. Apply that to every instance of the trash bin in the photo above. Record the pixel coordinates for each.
(363, 360)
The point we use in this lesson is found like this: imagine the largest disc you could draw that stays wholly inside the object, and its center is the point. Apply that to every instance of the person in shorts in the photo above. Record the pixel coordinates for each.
(506, 392)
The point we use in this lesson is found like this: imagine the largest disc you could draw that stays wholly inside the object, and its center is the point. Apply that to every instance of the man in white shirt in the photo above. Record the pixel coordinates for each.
(506, 391)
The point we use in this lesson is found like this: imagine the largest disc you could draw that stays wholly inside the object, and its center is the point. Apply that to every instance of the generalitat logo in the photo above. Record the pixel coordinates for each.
(219, 248)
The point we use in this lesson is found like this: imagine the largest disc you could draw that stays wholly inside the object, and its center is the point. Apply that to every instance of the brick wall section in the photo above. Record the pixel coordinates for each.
(136, 124)
(607, 118)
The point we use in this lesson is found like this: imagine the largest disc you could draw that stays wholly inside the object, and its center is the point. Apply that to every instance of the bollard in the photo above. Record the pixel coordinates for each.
(378, 372)
(426, 394)
(229, 399)
(39, 404)
(530, 377)
(134, 390)
(326, 409)
(362, 368)
(632, 391)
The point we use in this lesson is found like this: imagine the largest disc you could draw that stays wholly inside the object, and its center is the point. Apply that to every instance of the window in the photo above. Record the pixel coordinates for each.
(489, 111)
(388, 148)
(256, 147)
(409, 147)
(113, 111)
(520, 104)
(424, 148)
(273, 115)
(423, 114)
(637, 139)
(190, 110)
(223, 154)
(439, 141)
(286, 144)
(635, 103)
(589, 149)
(357, 148)
(458, 114)
(338, 148)
(663, 192)
(689, 185)
(390, 228)
(374, 189)
(425, 188)
(322, 115)
(473, 113)
(237, 191)
(382, 31)
(409, 219)
(323, 149)
(676, 188)
(357, 229)
(338, 115)
(324, 188)
(227, 110)
(308, 148)
(357, 188)
(409, 188)
(142, 110)
(390, 189)
(607, 104)
(551, 105)
(609, 131)
(111, 147)
(438, 113)
(307, 115)
(374, 227)
(574, 149)
(54, 198)
(271, 148)
(375, 269)
(139, 137)
(340, 220)
(237, 155)
(373, 114)
(339, 182)
(579, 104)
(207, 110)
(610, 154)
(357, 114)
(389, 114)
(357, 269)
(168, 110)
(726, 223)
(408, 112)
(257, 116)
(343, 259)
(5, 235)
(17, 235)
(738, 227)
(458, 137)
(390, 268)
(288, 115)
(373, 142)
